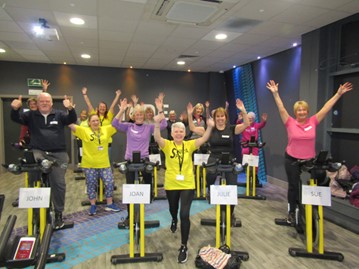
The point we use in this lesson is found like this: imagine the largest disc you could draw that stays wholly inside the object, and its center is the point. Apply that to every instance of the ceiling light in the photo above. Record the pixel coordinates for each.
(221, 36)
(38, 30)
(65, 63)
(234, 66)
(77, 21)
(295, 44)
(258, 57)
(189, 70)
(2, 50)
(86, 56)
(181, 62)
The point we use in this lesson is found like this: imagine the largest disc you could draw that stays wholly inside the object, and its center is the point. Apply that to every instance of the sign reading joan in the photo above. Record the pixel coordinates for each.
(34, 82)
(136, 193)
(314, 195)
(224, 195)
(34, 197)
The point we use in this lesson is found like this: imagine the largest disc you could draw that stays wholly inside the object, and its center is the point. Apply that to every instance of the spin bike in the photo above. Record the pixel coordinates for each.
(40, 219)
(309, 219)
(137, 223)
(251, 176)
(224, 220)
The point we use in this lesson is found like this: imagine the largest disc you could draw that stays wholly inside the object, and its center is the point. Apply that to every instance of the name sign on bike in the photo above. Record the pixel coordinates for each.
(136, 193)
(199, 159)
(315, 195)
(154, 158)
(34, 197)
(224, 195)
(251, 160)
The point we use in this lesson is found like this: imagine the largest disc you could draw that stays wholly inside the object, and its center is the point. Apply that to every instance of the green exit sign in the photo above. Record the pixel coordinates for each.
(34, 82)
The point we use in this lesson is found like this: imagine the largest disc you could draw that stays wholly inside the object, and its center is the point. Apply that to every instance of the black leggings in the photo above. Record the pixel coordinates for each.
(293, 171)
(185, 197)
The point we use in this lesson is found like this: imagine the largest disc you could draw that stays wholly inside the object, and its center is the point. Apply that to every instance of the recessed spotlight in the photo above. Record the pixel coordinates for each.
(295, 44)
(131, 67)
(86, 56)
(2, 50)
(221, 36)
(234, 66)
(258, 57)
(77, 21)
(189, 70)
(181, 62)
(65, 63)
(221, 71)
(38, 30)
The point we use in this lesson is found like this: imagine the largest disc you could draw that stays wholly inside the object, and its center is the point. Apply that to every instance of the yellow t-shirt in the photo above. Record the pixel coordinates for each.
(179, 171)
(95, 146)
(105, 121)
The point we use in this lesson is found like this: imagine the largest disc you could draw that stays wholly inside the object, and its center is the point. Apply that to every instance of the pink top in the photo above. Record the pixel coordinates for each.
(301, 138)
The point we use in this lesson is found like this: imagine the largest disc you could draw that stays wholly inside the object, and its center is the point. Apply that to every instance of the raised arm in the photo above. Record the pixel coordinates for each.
(346, 87)
(87, 100)
(273, 87)
(196, 129)
(72, 127)
(115, 101)
(241, 126)
(208, 114)
(157, 133)
(200, 141)
(122, 107)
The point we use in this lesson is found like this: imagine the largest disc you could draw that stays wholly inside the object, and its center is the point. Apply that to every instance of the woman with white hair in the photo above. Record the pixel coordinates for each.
(252, 131)
(138, 135)
(179, 178)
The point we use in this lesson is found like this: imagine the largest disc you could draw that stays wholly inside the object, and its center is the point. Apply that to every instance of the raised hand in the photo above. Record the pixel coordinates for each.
(159, 103)
(84, 90)
(346, 87)
(264, 116)
(239, 104)
(67, 103)
(118, 92)
(16, 103)
(272, 86)
(134, 99)
(161, 96)
(210, 122)
(123, 104)
(45, 85)
(206, 104)
(189, 108)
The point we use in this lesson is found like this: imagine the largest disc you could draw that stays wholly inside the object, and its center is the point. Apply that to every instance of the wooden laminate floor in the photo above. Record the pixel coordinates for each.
(266, 243)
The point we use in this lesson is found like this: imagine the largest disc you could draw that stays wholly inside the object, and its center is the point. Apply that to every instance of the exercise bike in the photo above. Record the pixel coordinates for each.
(136, 222)
(40, 216)
(224, 220)
(251, 176)
(309, 217)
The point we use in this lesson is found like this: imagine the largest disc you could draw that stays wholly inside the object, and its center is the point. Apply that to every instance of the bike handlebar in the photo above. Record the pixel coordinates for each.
(253, 144)
(143, 165)
(232, 166)
(43, 166)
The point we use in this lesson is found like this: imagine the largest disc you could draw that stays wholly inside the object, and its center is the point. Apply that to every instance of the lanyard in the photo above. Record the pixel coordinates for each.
(98, 135)
(180, 157)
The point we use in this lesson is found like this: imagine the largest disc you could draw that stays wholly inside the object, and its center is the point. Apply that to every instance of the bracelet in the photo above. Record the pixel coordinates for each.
(84, 94)
(159, 112)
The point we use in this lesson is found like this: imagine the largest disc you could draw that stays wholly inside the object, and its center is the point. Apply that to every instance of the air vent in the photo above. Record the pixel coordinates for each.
(185, 56)
(196, 12)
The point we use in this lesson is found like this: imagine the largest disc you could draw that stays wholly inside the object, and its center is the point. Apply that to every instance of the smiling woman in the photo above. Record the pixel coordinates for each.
(301, 133)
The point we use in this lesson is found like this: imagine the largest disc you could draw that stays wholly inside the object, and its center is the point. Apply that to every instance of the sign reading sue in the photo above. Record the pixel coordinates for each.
(314, 195)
